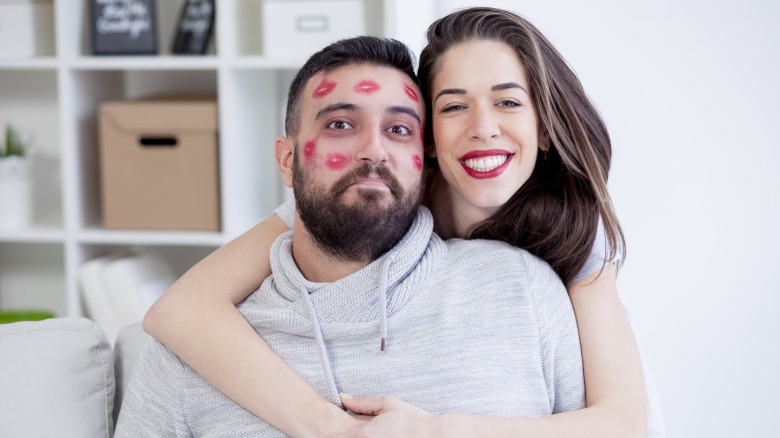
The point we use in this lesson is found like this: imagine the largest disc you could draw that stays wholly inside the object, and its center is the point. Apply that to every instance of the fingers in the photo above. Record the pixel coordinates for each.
(364, 405)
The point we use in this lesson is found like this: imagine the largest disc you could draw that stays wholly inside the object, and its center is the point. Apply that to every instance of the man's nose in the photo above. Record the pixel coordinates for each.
(483, 125)
(373, 147)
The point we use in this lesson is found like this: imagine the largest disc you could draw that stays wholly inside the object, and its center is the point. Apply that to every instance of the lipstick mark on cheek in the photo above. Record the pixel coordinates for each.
(417, 162)
(366, 86)
(323, 89)
(309, 150)
(336, 161)
(411, 93)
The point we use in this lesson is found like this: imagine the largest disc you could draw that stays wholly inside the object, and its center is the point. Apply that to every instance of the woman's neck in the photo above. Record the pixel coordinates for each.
(453, 214)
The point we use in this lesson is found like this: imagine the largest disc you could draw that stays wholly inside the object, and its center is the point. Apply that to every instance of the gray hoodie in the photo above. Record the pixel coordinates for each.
(475, 327)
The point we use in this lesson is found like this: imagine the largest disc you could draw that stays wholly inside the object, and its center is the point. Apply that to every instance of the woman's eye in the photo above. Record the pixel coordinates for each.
(339, 125)
(453, 107)
(509, 104)
(400, 130)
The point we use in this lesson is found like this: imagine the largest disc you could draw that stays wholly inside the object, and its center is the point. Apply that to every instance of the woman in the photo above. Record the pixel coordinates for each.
(521, 156)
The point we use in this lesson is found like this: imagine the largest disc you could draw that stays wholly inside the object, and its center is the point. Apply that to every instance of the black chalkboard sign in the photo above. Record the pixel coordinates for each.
(194, 27)
(124, 27)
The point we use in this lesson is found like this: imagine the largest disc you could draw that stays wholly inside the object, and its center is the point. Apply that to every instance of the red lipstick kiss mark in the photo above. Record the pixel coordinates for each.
(336, 161)
(367, 87)
(309, 150)
(411, 93)
(323, 89)
(417, 162)
(422, 133)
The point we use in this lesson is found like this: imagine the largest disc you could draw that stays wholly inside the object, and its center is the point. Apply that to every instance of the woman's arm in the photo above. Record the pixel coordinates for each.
(197, 319)
(615, 390)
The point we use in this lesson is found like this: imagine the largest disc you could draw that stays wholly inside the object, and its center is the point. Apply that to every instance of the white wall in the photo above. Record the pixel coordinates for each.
(690, 93)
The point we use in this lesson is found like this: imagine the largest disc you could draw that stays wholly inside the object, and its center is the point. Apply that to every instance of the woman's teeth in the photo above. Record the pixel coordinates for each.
(485, 164)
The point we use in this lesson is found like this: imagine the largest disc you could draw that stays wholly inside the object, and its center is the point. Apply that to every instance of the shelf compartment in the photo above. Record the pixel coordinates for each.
(181, 258)
(250, 121)
(29, 101)
(75, 24)
(89, 89)
(32, 276)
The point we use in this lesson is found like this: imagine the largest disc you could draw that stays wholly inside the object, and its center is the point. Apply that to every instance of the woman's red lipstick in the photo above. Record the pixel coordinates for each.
(485, 153)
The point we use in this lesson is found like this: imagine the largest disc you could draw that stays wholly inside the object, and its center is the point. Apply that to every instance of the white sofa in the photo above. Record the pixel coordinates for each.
(61, 378)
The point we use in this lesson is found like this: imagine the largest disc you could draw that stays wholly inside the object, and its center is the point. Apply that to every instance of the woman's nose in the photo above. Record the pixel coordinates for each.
(483, 125)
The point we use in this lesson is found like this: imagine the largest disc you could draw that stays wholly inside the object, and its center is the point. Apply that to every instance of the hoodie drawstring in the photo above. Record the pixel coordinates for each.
(384, 271)
(321, 345)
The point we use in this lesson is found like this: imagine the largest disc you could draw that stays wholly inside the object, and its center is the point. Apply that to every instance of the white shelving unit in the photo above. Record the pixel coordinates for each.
(57, 96)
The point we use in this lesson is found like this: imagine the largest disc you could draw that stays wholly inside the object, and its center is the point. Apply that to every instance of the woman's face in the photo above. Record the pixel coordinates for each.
(484, 125)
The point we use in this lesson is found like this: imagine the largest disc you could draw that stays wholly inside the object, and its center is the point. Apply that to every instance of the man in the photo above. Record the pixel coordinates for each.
(364, 299)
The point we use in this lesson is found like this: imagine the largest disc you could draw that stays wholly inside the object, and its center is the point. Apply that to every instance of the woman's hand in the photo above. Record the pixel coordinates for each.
(388, 417)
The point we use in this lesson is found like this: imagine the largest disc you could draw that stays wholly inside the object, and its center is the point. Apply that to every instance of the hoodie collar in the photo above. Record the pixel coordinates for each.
(355, 298)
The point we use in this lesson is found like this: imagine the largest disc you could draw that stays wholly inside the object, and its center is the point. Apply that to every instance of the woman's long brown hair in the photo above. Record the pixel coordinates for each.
(555, 214)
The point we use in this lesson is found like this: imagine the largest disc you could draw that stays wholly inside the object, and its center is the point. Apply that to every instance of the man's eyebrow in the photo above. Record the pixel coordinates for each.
(404, 110)
(506, 86)
(335, 107)
(449, 91)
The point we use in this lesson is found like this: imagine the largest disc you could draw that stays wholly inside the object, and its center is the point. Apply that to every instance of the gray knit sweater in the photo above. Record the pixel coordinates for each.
(474, 327)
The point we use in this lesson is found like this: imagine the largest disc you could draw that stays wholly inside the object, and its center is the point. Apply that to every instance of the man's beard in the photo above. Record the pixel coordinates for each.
(364, 230)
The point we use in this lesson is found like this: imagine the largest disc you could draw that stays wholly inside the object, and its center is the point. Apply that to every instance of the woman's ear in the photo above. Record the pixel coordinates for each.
(285, 148)
(544, 141)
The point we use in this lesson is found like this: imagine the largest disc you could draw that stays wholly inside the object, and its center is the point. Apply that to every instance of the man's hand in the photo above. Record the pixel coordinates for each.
(392, 417)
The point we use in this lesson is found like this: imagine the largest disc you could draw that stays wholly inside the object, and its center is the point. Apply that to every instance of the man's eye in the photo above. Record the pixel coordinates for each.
(339, 125)
(400, 130)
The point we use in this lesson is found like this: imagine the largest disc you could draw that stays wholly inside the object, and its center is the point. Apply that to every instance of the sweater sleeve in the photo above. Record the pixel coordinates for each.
(598, 254)
(558, 337)
(153, 405)
(286, 212)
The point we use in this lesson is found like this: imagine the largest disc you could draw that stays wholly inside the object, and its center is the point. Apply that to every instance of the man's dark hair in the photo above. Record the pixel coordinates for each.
(359, 50)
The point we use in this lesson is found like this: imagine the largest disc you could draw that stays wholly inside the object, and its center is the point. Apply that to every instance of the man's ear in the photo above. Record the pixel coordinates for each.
(284, 159)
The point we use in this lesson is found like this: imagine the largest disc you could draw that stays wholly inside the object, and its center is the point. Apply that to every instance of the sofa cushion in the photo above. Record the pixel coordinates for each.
(56, 379)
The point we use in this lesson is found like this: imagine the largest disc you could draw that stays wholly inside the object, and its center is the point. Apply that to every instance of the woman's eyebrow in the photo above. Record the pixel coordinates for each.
(506, 86)
(449, 91)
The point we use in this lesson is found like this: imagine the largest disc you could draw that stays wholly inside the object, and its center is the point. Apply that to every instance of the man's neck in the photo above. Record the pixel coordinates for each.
(315, 264)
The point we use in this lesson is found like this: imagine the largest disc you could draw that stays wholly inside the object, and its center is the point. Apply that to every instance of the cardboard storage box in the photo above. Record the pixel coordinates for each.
(302, 27)
(26, 27)
(159, 165)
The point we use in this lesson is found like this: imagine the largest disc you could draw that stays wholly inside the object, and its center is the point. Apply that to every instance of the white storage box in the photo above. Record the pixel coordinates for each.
(26, 27)
(302, 27)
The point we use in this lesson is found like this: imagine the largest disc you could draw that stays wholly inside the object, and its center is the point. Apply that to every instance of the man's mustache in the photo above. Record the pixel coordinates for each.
(365, 170)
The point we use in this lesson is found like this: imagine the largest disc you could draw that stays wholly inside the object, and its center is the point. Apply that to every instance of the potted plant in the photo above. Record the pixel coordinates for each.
(15, 190)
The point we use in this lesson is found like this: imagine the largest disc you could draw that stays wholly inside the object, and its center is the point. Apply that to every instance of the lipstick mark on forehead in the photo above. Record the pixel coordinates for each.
(411, 93)
(366, 86)
(310, 149)
(336, 161)
(323, 89)
(417, 162)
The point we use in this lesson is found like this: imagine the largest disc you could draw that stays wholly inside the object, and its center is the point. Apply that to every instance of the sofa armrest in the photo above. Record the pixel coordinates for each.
(56, 379)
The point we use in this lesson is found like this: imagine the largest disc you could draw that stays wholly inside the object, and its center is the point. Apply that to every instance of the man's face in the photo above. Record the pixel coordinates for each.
(357, 172)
